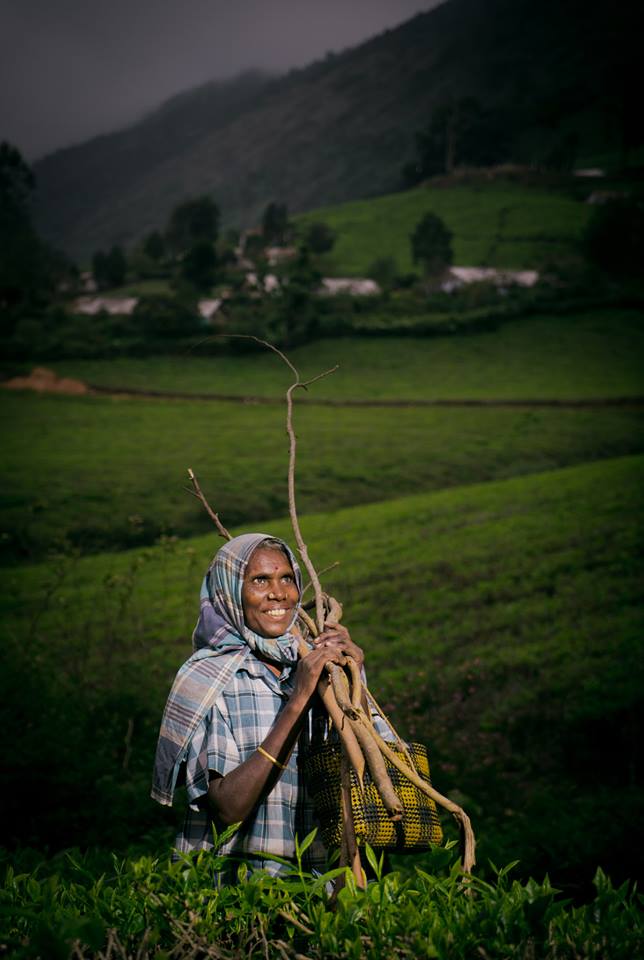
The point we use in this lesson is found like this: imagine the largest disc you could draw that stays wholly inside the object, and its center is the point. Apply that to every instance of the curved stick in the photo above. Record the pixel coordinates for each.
(377, 769)
(469, 842)
(346, 734)
(349, 848)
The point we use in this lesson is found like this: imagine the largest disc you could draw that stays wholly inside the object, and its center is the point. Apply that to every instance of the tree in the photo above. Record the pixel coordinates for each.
(431, 245)
(154, 246)
(384, 271)
(165, 317)
(275, 224)
(301, 312)
(29, 269)
(115, 266)
(460, 132)
(320, 238)
(195, 219)
(109, 269)
(199, 265)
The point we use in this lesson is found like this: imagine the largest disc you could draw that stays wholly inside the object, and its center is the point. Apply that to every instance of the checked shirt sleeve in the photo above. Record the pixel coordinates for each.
(213, 747)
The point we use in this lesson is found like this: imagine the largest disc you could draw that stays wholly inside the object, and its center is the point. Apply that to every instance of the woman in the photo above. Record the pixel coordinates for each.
(239, 704)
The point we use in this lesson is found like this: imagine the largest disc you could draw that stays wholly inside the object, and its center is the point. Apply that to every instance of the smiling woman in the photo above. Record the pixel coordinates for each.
(241, 705)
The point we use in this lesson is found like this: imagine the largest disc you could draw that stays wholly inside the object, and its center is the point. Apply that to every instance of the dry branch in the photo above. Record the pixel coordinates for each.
(197, 492)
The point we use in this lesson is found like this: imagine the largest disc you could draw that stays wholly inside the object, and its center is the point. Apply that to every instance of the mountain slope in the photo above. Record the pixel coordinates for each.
(341, 128)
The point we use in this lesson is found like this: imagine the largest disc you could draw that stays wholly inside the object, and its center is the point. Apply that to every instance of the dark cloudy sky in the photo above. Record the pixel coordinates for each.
(70, 69)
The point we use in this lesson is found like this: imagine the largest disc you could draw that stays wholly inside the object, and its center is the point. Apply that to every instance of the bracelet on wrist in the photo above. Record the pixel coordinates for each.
(266, 754)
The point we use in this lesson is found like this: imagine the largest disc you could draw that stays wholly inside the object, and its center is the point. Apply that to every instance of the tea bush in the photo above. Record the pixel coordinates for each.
(147, 908)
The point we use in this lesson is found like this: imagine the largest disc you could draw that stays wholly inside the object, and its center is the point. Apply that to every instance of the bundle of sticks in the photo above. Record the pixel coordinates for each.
(346, 699)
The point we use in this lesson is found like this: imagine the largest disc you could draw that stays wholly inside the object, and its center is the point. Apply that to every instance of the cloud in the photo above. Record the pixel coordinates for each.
(74, 68)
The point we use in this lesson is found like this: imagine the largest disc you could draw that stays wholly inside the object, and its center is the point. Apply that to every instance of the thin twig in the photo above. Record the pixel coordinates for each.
(332, 566)
(211, 513)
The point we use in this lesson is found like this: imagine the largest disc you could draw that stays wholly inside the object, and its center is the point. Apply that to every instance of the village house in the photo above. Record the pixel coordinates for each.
(354, 286)
(458, 277)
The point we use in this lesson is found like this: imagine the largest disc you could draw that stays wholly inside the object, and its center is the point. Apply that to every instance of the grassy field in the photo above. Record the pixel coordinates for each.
(109, 473)
(593, 354)
(490, 564)
(500, 224)
(502, 625)
(157, 286)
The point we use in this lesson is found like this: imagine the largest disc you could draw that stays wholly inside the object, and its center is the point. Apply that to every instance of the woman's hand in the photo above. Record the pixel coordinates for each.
(311, 667)
(338, 636)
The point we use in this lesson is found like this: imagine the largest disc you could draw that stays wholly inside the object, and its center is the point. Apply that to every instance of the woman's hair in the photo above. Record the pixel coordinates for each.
(272, 544)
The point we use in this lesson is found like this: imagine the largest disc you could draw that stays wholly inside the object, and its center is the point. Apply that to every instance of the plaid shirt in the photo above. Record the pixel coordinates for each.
(232, 730)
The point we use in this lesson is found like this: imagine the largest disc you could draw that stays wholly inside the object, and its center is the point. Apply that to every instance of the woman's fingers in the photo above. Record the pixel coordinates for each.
(340, 635)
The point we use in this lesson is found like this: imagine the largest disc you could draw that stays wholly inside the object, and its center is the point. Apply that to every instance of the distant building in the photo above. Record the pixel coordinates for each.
(87, 282)
(458, 277)
(208, 308)
(354, 286)
(115, 306)
(276, 255)
(599, 197)
(269, 284)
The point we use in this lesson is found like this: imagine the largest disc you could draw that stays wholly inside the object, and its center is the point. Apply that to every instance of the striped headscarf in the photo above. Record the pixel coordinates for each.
(221, 643)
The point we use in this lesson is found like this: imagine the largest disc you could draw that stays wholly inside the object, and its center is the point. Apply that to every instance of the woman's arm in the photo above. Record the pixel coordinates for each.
(233, 798)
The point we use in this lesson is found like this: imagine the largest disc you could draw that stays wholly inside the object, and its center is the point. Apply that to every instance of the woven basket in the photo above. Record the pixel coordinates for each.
(419, 828)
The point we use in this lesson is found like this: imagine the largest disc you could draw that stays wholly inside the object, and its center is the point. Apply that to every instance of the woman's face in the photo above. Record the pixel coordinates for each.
(269, 592)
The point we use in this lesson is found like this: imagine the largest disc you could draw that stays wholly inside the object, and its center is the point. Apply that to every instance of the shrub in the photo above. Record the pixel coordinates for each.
(147, 908)
(165, 317)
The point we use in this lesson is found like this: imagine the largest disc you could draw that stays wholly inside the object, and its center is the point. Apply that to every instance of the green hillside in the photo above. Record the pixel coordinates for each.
(497, 224)
(107, 474)
(98, 452)
(553, 84)
(502, 625)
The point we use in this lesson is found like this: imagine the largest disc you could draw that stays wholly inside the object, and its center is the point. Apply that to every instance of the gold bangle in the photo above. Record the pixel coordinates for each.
(266, 754)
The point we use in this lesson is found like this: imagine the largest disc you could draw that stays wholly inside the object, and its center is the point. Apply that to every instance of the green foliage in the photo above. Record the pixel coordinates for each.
(149, 908)
(496, 223)
(199, 265)
(109, 268)
(614, 238)
(384, 271)
(576, 356)
(319, 237)
(193, 220)
(154, 246)
(29, 269)
(431, 245)
(275, 224)
(165, 317)
(461, 132)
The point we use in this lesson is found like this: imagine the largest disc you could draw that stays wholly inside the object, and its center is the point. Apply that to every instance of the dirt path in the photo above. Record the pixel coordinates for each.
(42, 380)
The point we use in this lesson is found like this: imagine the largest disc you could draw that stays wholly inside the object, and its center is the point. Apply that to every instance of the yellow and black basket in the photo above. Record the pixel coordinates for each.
(419, 828)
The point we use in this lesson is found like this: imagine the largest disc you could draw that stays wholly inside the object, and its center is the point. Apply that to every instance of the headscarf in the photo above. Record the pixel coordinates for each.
(221, 643)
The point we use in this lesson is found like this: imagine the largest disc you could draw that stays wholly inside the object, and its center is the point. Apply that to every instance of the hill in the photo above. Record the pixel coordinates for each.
(344, 127)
